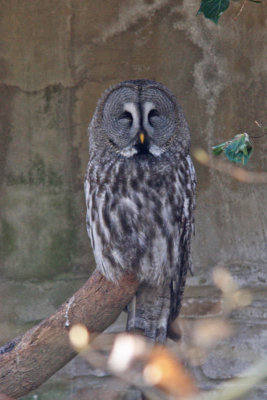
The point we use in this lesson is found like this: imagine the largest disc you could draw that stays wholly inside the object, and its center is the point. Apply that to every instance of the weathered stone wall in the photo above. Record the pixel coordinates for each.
(56, 59)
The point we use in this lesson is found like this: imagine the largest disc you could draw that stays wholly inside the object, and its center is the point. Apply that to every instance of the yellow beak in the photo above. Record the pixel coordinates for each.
(142, 137)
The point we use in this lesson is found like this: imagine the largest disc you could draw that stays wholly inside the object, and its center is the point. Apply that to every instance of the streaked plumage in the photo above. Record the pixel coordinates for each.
(140, 198)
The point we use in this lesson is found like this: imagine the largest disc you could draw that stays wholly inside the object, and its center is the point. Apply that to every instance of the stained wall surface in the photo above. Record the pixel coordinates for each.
(56, 58)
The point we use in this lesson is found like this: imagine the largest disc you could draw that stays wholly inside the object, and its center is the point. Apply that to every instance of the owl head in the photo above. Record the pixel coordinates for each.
(139, 117)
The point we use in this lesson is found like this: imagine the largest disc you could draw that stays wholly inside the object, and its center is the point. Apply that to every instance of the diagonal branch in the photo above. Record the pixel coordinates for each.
(29, 360)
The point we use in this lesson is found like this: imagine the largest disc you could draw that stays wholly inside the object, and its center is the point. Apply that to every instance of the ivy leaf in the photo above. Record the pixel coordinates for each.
(237, 150)
(219, 148)
(213, 9)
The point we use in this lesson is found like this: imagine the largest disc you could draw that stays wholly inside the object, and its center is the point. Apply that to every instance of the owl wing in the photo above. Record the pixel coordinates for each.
(187, 228)
(155, 307)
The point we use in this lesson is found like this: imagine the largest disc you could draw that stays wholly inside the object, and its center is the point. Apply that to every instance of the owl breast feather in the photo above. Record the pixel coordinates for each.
(135, 212)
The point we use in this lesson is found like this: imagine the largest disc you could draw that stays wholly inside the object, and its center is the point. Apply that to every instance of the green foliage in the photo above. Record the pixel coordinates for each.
(213, 9)
(237, 150)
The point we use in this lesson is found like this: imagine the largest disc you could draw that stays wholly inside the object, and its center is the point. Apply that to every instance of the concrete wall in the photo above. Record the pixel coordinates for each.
(56, 59)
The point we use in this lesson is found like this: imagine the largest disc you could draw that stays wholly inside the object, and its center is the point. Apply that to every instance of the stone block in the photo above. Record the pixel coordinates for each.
(232, 356)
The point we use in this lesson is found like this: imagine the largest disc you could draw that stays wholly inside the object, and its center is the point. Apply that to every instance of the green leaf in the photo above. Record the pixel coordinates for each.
(237, 150)
(219, 148)
(213, 9)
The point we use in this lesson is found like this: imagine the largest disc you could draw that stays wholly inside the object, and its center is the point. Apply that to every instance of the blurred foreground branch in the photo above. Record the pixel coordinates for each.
(29, 360)
(238, 387)
(159, 372)
(237, 173)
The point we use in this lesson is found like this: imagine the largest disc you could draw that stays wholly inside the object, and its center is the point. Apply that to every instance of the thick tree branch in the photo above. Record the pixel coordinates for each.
(31, 359)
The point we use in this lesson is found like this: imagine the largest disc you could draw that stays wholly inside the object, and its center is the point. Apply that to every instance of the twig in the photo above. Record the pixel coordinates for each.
(240, 10)
(237, 173)
(262, 128)
(238, 387)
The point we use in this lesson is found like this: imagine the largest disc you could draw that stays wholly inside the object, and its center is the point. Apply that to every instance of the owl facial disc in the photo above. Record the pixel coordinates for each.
(139, 119)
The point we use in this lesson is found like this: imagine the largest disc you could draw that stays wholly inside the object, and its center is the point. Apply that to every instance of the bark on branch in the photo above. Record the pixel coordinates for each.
(29, 360)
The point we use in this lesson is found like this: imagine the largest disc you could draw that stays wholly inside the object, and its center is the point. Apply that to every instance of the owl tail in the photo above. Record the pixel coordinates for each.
(149, 311)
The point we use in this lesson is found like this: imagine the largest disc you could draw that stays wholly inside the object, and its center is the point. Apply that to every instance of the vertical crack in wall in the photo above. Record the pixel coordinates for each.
(210, 73)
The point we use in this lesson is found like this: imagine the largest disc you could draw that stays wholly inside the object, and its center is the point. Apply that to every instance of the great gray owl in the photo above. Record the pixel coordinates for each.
(140, 197)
